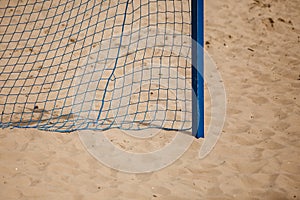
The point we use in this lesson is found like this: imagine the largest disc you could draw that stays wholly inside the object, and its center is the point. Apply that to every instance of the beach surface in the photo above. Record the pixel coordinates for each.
(256, 47)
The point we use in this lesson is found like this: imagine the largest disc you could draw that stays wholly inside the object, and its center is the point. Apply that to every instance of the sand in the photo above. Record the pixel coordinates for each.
(255, 45)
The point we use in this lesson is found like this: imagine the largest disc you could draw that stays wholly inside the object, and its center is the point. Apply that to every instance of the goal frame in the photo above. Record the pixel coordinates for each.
(198, 68)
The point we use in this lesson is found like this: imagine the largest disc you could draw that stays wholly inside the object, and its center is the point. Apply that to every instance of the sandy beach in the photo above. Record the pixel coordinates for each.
(256, 47)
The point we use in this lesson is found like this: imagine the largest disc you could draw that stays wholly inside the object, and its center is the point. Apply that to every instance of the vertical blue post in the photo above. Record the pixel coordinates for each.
(198, 68)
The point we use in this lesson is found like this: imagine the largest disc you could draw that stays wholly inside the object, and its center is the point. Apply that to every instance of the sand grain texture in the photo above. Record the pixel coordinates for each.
(256, 46)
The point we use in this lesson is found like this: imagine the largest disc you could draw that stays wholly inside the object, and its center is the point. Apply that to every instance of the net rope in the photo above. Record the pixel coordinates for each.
(95, 64)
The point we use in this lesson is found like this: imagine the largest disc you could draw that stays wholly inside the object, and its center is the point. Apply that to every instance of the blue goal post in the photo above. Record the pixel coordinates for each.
(198, 68)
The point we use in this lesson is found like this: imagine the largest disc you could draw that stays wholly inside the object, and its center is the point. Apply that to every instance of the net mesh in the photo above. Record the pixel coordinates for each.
(85, 64)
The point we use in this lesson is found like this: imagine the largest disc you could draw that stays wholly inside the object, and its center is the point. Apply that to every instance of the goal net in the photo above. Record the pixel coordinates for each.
(95, 64)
